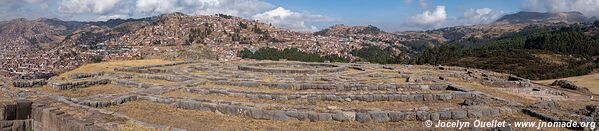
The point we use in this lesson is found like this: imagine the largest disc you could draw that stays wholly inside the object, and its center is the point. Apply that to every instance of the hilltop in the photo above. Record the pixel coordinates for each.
(537, 17)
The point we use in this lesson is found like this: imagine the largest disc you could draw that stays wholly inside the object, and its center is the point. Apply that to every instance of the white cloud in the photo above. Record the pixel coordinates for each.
(428, 17)
(587, 7)
(439, 18)
(479, 16)
(88, 6)
(157, 6)
(284, 18)
(203, 7)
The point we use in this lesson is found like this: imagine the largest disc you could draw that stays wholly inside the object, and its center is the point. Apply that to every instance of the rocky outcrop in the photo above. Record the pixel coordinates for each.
(570, 85)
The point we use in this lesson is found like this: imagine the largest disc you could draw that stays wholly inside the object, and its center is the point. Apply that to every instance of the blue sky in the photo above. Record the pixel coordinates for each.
(302, 15)
(390, 13)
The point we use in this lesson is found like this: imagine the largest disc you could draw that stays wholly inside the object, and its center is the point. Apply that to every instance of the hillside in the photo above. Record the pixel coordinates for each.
(40, 48)
(590, 81)
(537, 17)
(505, 25)
(534, 53)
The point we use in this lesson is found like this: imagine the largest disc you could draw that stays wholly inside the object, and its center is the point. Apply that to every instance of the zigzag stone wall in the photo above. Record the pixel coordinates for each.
(258, 68)
(164, 77)
(340, 97)
(338, 86)
(146, 69)
(132, 84)
(80, 84)
(85, 75)
(102, 104)
(368, 116)
(29, 83)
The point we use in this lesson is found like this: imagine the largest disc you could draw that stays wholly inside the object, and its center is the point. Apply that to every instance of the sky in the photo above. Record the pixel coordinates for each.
(302, 15)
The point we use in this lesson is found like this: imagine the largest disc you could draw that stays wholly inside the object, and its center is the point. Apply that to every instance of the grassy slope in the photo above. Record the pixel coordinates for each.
(590, 81)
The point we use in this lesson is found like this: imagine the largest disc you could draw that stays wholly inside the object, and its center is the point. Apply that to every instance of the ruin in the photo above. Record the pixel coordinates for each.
(282, 91)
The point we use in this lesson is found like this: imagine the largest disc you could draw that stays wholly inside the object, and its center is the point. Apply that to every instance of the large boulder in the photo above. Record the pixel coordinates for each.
(379, 116)
(363, 117)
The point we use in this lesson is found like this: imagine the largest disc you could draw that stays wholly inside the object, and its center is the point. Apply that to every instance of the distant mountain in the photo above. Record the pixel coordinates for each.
(538, 17)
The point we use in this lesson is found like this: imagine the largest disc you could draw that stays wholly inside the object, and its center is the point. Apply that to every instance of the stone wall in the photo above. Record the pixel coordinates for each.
(52, 119)
(549, 118)
(85, 75)
(339, 97)
(79, 84)
(335, 86)
(15, 116)
(132, 84)
(360, 116)
(164, 77)
(29, 83)
(327, 68)
(102, 104)
(146, 69)
(16, 125)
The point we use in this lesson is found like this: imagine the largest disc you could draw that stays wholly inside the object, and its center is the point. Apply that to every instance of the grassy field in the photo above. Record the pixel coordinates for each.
(590, 81)
(110, 65)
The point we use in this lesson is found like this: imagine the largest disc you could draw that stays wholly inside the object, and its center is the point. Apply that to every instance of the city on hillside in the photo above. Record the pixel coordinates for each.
(75, 65)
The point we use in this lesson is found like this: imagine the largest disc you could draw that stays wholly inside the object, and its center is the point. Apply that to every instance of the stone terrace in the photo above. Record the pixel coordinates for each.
(200, 95)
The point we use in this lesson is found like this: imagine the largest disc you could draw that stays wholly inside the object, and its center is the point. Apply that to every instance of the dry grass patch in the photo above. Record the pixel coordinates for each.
(109, 66)
(83, 92)
(590, 81)
(199, 120)
(200, 73)
(496, 92)
(153, 81)
(352, 71)
(131, 126)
